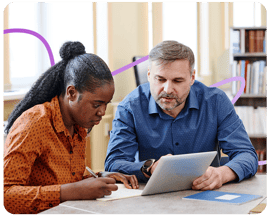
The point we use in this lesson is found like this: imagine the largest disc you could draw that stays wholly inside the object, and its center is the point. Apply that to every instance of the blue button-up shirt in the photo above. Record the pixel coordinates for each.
(207, 122)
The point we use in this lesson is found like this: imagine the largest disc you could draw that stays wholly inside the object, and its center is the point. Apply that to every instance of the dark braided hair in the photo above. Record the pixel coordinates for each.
(83, 70)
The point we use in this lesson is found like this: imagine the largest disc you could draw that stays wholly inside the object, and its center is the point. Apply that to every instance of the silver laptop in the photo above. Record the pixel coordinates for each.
(177, 172)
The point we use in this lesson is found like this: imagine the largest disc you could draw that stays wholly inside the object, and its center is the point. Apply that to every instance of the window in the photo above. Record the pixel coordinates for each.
(204, 39)
(102, 30)
(57, 22)
(246, 14)
(69, 21)
(150, 27)
(180, 24)
(23, 47)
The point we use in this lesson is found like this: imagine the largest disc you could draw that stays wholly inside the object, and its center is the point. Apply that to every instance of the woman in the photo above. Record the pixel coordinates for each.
(44, 157)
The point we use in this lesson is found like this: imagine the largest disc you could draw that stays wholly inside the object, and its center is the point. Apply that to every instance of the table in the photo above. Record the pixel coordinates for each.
(167, 203)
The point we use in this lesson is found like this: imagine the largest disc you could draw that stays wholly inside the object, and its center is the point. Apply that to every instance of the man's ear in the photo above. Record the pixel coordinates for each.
(192, 77)
(71, 93)
(148, 75)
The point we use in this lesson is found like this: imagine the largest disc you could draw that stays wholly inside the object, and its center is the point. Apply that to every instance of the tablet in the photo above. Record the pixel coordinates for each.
(177, 172)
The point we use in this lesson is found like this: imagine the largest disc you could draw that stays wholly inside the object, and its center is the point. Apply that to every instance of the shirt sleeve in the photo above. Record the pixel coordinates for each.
(234, 140)
(123, 146)
(20, 155)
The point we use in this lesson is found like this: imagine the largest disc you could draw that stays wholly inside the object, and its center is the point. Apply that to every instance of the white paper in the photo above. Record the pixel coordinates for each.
(227, 197)
(121, 193)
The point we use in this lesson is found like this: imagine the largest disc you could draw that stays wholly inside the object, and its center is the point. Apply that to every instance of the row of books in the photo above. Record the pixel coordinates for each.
(255, 74)
(261, 157)
(249, 41)
(254, 120)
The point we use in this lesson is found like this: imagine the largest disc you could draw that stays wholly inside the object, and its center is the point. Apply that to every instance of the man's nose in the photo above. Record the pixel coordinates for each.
(168, 87)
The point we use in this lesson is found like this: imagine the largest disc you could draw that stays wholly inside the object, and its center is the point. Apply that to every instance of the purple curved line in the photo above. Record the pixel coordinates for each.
(18, 30)
(238, 78)
(262, 162)
(130, 65)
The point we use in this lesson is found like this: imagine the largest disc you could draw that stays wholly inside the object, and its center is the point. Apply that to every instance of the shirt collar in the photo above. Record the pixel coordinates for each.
(192, 102)
(152, 107)
(59, 123)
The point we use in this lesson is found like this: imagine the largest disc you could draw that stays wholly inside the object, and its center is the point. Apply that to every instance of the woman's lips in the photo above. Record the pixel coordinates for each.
(97, 122)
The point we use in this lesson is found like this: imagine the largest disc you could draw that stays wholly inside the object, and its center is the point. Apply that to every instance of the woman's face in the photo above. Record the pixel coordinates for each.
(87, 108)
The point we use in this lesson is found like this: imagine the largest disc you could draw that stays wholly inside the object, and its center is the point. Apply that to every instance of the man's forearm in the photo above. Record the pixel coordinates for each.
(227, 174)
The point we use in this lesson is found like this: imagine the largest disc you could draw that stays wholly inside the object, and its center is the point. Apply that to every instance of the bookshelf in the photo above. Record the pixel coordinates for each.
(248, 58)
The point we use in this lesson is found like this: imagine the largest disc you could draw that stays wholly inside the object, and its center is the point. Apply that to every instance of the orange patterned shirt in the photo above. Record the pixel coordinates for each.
(40, 156)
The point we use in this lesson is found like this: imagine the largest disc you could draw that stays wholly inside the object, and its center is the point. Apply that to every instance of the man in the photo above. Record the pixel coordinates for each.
(174, 114)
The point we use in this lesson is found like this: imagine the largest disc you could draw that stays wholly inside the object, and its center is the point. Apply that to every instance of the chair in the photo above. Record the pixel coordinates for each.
(220, 159)
(140, 71)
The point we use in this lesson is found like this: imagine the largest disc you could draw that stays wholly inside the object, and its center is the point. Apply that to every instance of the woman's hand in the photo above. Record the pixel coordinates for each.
(87, 189)
(130, 181)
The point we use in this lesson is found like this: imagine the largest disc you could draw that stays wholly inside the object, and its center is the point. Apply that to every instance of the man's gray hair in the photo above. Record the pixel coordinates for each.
(169, 51)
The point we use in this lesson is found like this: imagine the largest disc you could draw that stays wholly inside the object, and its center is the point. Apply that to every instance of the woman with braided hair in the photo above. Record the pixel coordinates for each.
(44, 159)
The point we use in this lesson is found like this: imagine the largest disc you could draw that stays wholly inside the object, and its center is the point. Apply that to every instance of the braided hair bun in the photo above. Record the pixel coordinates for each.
(71, 49)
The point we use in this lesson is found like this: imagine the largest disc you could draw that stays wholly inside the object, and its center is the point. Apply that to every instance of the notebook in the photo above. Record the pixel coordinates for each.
(224, 197)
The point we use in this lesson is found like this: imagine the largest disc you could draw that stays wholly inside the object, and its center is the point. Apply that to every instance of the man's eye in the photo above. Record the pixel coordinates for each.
(96, 106)
(161, 80)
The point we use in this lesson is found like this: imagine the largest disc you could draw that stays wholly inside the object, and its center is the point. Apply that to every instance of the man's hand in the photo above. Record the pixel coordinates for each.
(156, 163)
(214, 178)
(87, 189)
(130, 181)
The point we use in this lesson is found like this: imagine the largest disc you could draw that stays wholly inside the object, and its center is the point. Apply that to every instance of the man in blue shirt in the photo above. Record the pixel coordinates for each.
(174, 114)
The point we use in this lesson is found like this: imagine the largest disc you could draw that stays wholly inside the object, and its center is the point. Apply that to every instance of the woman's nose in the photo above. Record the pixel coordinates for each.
(102, 110)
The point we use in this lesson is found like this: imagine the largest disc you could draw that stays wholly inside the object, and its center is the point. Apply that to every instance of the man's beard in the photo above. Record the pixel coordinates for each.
(177, 103)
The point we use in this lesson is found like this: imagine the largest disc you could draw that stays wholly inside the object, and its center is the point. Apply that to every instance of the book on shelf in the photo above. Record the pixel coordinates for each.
(265, 42)
(259, 38)
(254, 120)
(235, 40)
(254, 74)
(242, 41)
(251, 41)
(248, 40)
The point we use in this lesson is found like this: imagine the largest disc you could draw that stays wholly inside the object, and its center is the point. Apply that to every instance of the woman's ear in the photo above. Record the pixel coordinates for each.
(71, 93)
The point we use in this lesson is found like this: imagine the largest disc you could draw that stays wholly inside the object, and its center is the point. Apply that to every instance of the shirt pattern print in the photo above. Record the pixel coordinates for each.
(40, 155)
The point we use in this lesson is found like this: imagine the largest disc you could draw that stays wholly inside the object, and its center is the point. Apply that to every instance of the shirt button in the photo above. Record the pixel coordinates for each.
(35, 208)
(71, 152)
(50, 205)
(73, 173)
(177, 144)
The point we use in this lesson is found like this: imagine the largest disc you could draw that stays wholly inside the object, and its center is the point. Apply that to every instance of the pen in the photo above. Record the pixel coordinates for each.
(89, 170)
